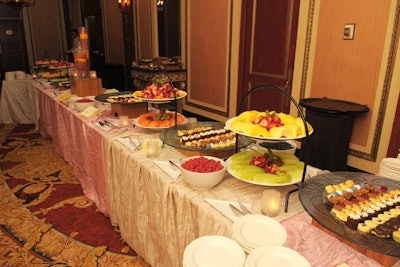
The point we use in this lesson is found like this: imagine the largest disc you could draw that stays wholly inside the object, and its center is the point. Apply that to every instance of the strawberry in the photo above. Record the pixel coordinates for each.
(276, 119)
(264, 122)
(271, 125)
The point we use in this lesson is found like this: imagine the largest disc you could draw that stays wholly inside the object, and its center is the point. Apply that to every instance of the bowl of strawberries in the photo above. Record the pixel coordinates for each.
(203, 172)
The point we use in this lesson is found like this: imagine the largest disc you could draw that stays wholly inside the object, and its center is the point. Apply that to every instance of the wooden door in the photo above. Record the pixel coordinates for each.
(13, 55)
(92, 18)
(268, 43)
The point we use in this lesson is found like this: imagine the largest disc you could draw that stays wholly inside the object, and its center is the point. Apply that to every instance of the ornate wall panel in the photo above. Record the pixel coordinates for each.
(209, 34)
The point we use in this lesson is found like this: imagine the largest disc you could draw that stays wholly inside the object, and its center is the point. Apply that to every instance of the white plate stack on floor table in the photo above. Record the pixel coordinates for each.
(213, 251)
(390, 168)
(255, 230)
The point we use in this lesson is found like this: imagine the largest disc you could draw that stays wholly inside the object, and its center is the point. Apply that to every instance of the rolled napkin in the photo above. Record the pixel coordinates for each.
(174, 173)
(223, 207)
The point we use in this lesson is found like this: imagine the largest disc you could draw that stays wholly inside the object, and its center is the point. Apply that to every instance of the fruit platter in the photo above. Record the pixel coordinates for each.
(61, 65)
(159, 93)
(265, 168)
(204, 138)
(268, 125)
(159, 120)
(359, 207)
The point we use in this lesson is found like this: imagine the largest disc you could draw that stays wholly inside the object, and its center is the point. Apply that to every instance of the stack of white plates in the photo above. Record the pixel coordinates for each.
(9, 76)
(390, 168)
(213, 251)
(275, 256)
(255, 230)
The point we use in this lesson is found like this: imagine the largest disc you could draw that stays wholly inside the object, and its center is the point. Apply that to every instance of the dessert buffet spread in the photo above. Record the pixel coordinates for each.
(268, 125)
(367, 208)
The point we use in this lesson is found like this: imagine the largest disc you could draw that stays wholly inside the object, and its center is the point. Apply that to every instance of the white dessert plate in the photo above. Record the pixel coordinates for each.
(213, 251)
(257, 230)
(268, 256)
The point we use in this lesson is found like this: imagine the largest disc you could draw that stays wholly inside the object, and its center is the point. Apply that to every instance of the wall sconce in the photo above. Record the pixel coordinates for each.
(124, 5)
(19, 4)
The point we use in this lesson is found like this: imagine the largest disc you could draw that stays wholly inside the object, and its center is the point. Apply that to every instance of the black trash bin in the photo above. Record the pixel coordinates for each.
(332, 120)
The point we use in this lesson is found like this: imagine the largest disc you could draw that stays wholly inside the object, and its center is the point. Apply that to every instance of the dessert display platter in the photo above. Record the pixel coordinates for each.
(157, 120)
(203, 138)
(358, 207)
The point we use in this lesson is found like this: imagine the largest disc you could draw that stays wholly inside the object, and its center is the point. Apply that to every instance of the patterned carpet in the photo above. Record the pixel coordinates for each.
(45, 220)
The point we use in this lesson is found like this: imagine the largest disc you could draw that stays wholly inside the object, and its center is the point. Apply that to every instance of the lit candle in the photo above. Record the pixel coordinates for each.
(152, 149)
(123, 121)
(271, 202)
(75, 74)
(93, 74)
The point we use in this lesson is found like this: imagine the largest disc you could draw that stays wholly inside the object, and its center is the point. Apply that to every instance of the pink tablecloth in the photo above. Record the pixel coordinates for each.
(80, 144)
(321, 249)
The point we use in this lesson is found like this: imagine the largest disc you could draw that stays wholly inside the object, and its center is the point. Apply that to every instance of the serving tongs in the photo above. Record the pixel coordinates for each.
(106, 123)
(174, 166)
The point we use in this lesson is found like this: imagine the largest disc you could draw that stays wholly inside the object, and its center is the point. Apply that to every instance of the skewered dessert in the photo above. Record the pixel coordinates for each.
(122, 98)
(207, 137)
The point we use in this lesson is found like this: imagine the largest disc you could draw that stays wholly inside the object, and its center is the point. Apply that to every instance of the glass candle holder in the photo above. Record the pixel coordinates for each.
(271, 200)
(123, 121)
(152, 149)
(93, 74)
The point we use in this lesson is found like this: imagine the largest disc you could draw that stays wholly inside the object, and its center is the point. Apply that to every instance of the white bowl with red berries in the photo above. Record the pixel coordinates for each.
(83, 103)
(203, 172)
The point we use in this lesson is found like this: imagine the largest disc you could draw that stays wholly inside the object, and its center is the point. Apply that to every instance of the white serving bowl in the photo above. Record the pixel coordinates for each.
(81, 106)
(203, 180)
(278, 146)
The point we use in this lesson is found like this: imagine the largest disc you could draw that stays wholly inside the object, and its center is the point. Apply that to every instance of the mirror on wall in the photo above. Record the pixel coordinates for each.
(168, 22)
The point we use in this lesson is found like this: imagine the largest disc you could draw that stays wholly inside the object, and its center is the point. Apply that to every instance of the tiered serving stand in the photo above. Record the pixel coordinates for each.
(280, 89)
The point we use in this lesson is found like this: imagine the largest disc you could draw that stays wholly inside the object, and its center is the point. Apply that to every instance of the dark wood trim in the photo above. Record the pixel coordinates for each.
(394, 144)
(129, 44)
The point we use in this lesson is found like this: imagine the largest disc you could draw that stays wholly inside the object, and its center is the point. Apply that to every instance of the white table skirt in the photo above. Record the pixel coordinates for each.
(19, 102)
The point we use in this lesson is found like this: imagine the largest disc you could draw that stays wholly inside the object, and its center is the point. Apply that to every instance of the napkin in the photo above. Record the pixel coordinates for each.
(164, 165)
(130, 144)
(223, 207)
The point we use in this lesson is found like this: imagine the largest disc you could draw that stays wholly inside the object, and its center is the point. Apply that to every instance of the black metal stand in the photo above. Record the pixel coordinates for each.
(274, 87)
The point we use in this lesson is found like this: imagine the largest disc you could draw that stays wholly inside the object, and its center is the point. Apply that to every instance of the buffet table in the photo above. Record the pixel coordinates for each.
(159, 215)
(79, 142)
(19, 103)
